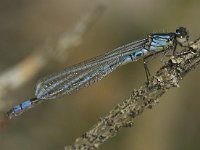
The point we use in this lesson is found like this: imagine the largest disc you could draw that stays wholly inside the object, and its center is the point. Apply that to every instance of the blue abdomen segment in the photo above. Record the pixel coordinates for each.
(135, 55)
(18, 109)
(160, 41)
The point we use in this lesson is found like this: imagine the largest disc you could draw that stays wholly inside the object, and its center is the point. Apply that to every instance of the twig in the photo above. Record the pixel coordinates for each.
(145, 97)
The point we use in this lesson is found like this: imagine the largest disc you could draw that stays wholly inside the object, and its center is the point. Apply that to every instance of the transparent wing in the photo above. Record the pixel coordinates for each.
(85, 73)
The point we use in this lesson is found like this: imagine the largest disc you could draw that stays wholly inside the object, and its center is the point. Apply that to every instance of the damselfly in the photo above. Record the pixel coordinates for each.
(88, 72)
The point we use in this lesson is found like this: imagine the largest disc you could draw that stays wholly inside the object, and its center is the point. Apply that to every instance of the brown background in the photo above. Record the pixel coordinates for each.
(25, 25)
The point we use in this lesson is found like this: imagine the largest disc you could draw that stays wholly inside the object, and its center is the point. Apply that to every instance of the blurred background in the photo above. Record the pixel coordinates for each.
(39, 37)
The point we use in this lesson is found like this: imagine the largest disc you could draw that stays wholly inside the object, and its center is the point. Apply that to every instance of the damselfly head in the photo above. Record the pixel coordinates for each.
(181, 32)
(182, 35)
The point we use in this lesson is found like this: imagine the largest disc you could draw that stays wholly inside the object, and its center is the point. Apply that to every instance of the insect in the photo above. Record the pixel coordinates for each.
(83, 74)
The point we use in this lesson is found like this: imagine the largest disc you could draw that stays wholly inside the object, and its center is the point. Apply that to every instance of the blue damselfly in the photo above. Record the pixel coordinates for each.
(88, 72)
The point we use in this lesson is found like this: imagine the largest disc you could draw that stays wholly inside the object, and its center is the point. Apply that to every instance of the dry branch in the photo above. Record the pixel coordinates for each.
(146, 96)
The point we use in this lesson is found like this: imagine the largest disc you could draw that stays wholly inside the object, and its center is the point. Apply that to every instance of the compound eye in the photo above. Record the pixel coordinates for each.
(181, 32)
